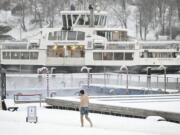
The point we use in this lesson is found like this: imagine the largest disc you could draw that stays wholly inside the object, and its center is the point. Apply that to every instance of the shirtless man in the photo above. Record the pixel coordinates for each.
(84, 102)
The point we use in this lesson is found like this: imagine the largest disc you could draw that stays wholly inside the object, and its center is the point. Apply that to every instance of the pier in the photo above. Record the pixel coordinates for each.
(102, 105)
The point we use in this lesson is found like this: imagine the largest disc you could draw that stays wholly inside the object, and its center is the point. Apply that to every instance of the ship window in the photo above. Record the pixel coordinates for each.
(50, 36)
(15, 55)
(101, 33)
(150, 55)
(64, 21)
(53, 35)
(101, 20)
(24, 55)
(115, 36)
(55, 51)
(59, 37)
(107, 56)
(33, 55)
(96, 20)
(69, 20)
(87, 19)
(105, 18)
(80, 35)
(109, 36)
(75, 51)
(6, 55)
(97, 56)
(81, 20)
(128, 56)
(75, 18)
(118, 56)
(63, 35)
(72, 35)
(124, 35)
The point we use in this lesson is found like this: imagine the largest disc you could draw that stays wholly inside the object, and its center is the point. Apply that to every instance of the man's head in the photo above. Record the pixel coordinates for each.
(81, 92)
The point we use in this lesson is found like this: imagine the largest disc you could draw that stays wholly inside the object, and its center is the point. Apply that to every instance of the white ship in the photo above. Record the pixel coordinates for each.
(85, 40)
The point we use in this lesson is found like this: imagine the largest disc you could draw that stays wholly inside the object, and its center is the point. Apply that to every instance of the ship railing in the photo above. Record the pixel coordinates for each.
(120, 45)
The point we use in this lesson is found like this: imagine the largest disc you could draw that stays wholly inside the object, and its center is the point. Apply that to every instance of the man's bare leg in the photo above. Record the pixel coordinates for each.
(82, 121)
(89, 120)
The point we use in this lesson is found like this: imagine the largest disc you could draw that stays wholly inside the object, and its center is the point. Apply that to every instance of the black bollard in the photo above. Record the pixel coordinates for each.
(3, 88)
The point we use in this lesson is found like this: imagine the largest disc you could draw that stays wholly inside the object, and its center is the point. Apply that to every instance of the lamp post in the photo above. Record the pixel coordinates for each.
(148, 78)
(88, 71)
(46, 71)
(52, 70)
(162, 67)
(125, 68)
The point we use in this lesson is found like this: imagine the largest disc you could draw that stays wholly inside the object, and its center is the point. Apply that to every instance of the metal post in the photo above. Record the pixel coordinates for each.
(45, 70)
(47, 77)
(165, 85)
(162, 67)
(177, 84)
(149, 78)
(104, 77)
(122, 68)
(88, 74)
(157, 81)
(88, 78)
(117, 78)
(72, 80)
(127, 83)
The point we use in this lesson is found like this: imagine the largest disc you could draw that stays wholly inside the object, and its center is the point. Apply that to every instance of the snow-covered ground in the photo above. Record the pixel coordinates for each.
(63, 122)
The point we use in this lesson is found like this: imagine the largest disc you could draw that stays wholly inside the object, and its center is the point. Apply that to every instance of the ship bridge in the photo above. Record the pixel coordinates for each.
(83, 19)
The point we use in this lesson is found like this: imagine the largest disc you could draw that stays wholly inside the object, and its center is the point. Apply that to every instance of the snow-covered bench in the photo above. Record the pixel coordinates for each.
(9, 105)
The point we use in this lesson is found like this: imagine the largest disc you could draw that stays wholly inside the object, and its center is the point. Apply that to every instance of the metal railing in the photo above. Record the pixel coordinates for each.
(62, 82)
